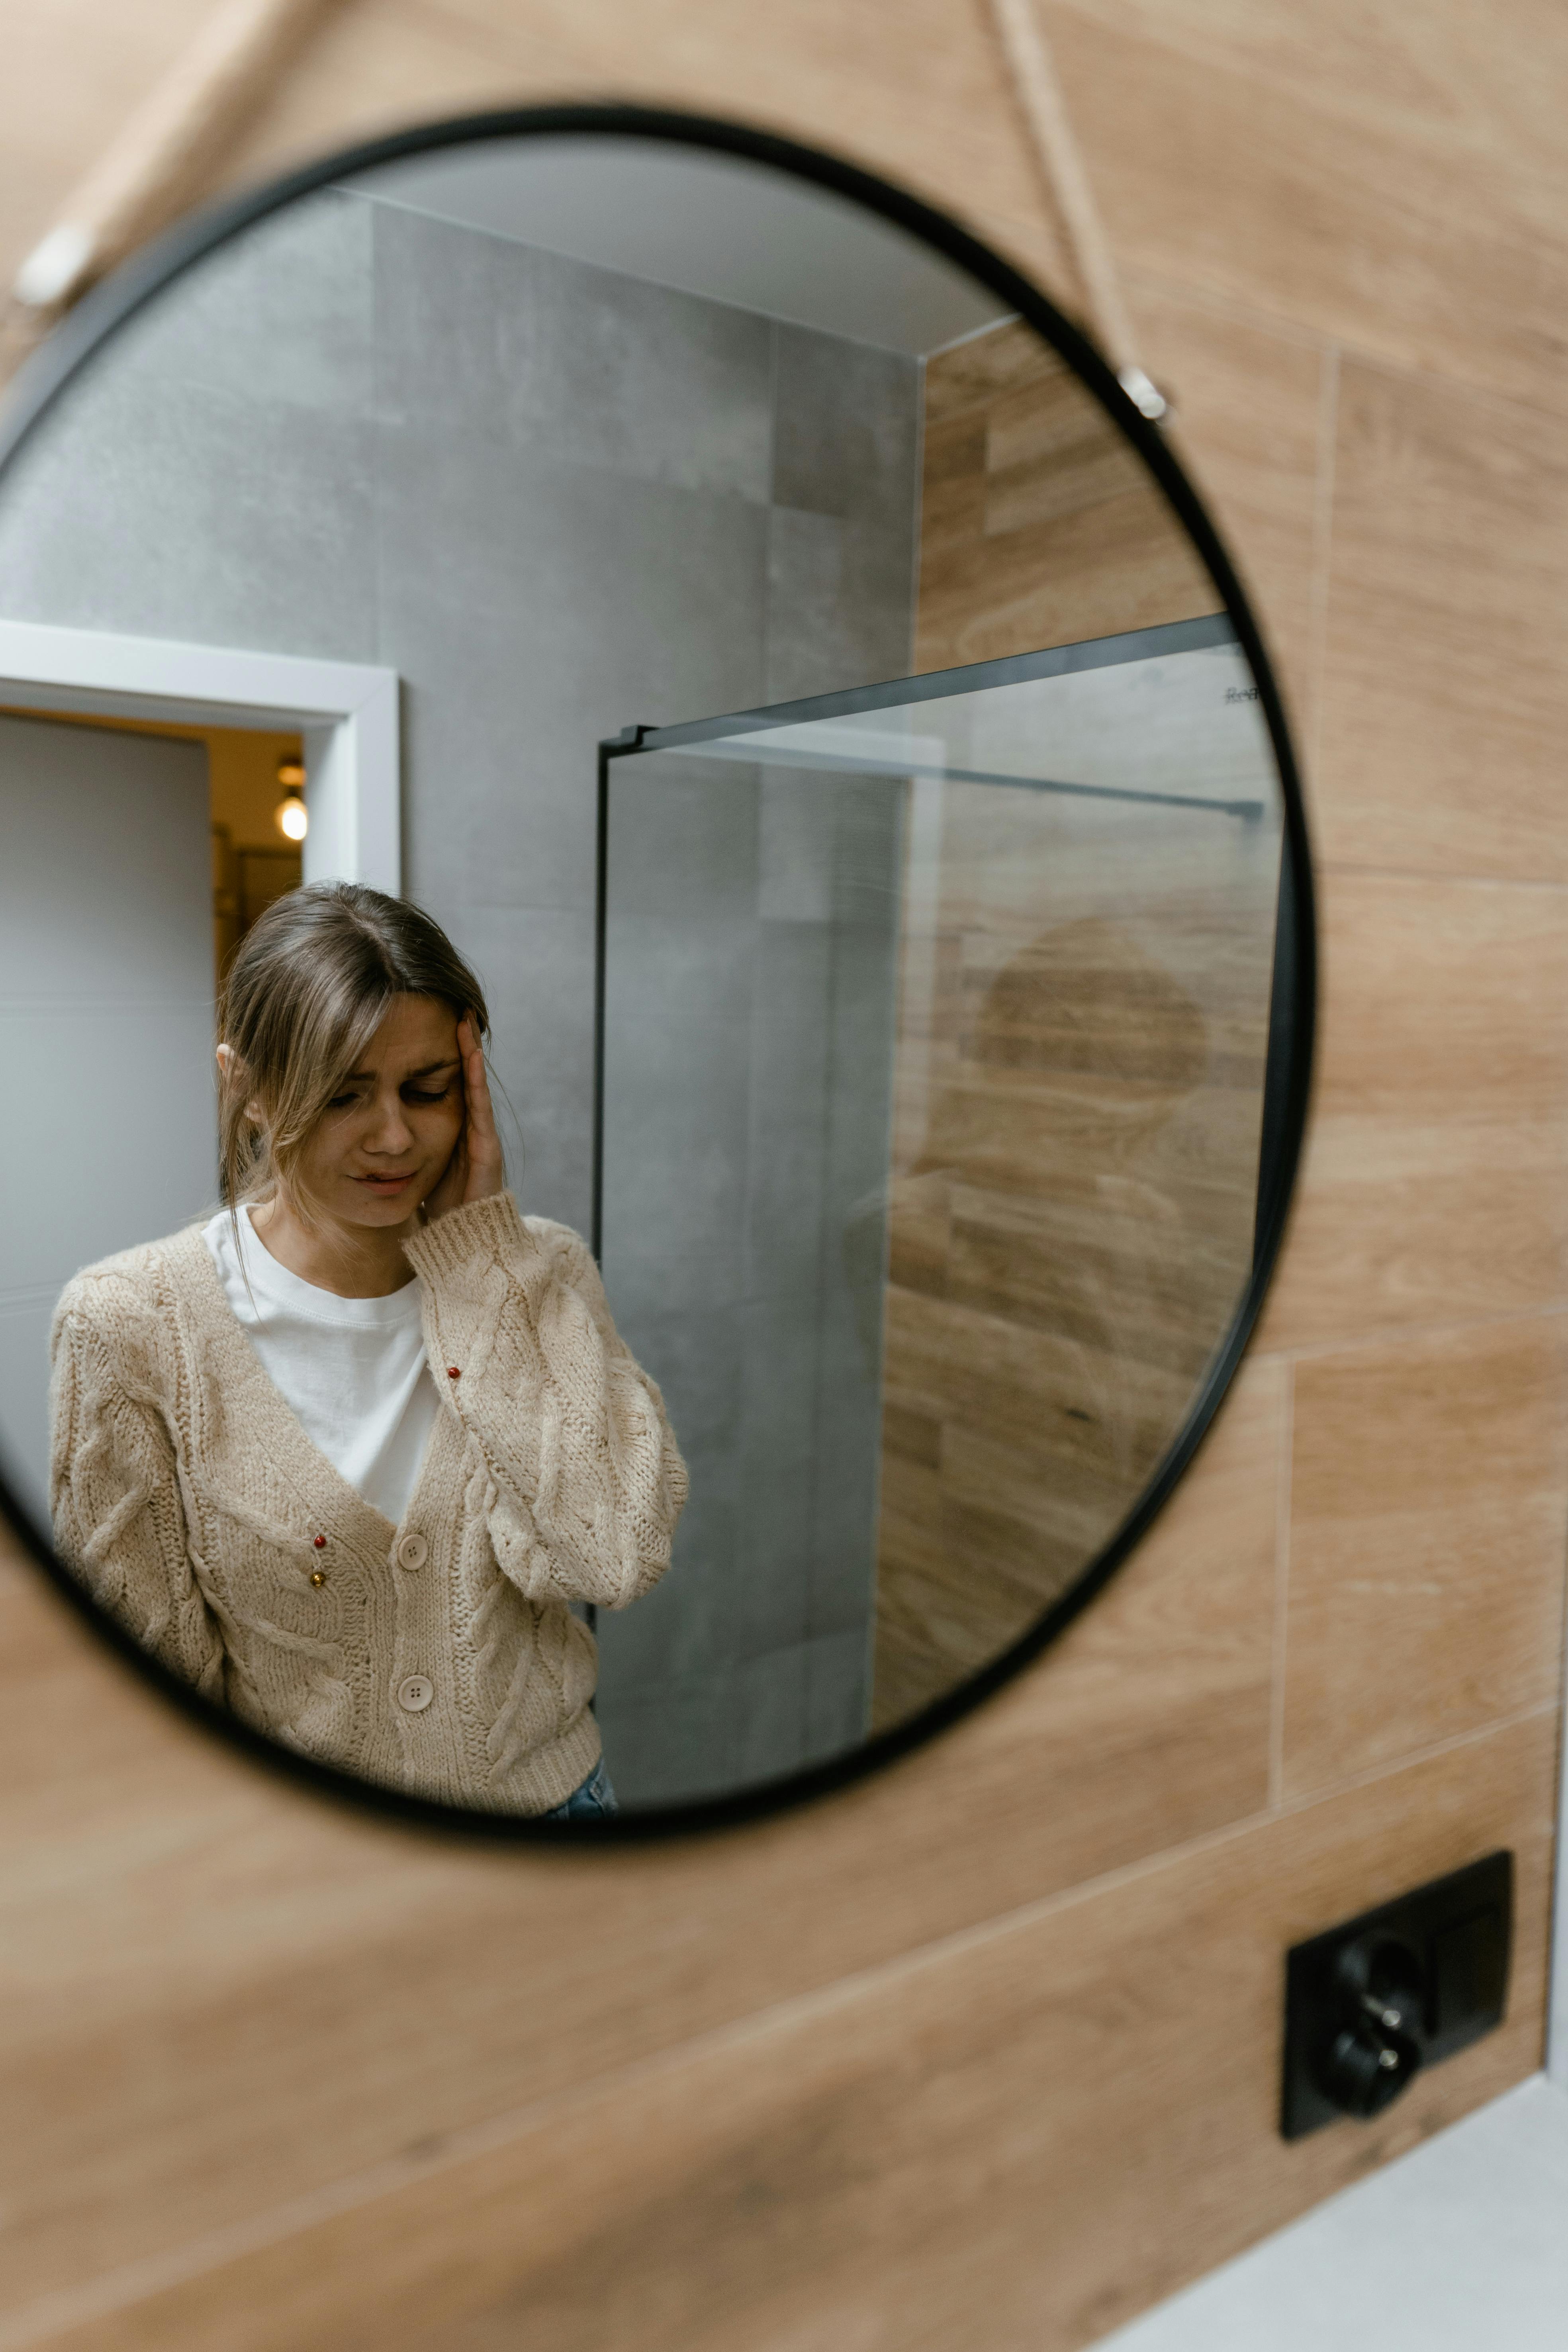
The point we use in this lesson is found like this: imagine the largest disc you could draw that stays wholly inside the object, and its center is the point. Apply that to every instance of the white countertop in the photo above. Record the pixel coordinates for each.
(1460, 2246)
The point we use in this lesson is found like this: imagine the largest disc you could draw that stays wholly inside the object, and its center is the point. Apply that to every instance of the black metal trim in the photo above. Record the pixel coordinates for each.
(944, 686)
(601, 909)
(1275, 1173)
(1210, 629)
(111, 306)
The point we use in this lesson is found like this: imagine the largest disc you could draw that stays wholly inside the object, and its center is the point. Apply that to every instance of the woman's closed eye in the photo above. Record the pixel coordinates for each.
(410, 1093)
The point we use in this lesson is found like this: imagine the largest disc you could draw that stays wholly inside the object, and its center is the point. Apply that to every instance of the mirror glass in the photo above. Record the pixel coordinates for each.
(823, 764)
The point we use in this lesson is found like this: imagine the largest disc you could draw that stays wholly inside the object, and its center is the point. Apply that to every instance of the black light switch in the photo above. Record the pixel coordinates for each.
(1369, 2004)
(1469, 1972)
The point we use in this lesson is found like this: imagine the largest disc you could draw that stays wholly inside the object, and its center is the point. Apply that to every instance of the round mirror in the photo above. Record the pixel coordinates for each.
(657, 961)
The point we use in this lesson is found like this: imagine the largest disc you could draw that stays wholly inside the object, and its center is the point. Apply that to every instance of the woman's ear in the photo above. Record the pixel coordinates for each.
(229, 1070)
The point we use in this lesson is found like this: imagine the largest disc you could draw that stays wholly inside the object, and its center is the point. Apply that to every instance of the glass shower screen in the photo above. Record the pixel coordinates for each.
(933, 1028)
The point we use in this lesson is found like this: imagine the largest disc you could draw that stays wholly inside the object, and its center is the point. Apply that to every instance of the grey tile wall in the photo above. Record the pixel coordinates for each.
(841, 551)
(557, 500)
(752, 1000)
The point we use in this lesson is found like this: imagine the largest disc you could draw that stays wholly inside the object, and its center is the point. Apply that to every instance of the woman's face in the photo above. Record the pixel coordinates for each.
(386, 1138)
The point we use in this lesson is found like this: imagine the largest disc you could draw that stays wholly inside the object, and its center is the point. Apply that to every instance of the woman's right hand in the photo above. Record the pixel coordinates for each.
(477, 1168)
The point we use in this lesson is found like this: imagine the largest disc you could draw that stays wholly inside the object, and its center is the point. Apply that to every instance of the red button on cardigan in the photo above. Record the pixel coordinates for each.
(321, 1543)
(453, 1373)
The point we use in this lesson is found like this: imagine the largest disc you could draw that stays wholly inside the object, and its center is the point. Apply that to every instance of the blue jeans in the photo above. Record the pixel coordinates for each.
(594, 1801)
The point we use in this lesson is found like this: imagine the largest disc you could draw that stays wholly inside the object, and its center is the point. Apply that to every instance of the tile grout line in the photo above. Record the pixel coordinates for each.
(1388, 1335)
(1248, 311)
(1449, 877)
(58, 2308)
(1237, 310)
(1283, 1504)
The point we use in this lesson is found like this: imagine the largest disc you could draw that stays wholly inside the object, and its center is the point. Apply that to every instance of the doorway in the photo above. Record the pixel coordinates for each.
(255, 777)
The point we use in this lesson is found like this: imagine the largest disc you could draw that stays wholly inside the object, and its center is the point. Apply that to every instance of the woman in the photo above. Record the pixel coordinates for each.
(345, 1456)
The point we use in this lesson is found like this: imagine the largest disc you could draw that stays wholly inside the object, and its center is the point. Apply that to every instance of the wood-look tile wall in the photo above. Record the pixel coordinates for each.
(982, 2053)
(1079, 1078)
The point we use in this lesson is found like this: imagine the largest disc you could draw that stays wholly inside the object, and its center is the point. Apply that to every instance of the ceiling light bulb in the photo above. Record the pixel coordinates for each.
(293, 818)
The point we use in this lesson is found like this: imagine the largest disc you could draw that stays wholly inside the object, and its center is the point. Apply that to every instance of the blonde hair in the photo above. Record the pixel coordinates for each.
(310, 986)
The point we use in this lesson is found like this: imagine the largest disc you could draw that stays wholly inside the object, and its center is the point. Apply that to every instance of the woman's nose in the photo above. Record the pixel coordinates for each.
(390, 1131)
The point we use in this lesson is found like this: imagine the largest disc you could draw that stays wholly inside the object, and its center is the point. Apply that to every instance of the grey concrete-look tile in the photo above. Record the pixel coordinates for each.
(868, 853)
(175, 510)
(675, 1743)
(685, 1628)
(809, 1440)
(677, 1099)
(842, 1548)
(696, 1355)
(846, 429)
(492, 811)
(837, 1712)
(738, 1729)
(771, 1602)
(536, 967)
(779, 1401)
(478, 334)
(802, 1706)
(797, 826)
(25, 1404)
(682, 845)
(856, 1262)
(839, 605)
(842, 545)
(284, 312)
(806, 651)
(771, 1722)
(535, 608)
(790, 1048)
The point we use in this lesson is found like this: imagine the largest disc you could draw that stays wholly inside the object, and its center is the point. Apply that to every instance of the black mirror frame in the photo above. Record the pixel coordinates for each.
(93, 324)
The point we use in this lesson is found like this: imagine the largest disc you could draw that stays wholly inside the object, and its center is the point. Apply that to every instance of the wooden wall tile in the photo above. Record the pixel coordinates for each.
(73, 70)
(191, 1943)
(1446, 706)
(1434, 1184)
(775, 2110)
(1071, 1225)
(1246, 417)
(1429, 1486)
(1039, 524)
(1016, 2140)
(1478, 89)
(1366, 231)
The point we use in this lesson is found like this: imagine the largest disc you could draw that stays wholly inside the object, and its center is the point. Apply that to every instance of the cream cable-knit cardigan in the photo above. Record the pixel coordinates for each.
(440, 1656)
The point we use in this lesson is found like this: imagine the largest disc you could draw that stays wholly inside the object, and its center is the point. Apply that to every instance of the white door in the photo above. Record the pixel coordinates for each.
(106, 1029)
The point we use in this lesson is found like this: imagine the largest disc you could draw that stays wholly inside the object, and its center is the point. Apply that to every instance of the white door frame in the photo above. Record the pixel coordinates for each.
(346, 712)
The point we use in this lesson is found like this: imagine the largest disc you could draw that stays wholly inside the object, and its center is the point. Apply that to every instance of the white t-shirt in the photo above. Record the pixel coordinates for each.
(352, 1370)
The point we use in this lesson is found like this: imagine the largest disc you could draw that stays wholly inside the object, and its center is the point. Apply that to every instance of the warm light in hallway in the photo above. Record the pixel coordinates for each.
(293, 817)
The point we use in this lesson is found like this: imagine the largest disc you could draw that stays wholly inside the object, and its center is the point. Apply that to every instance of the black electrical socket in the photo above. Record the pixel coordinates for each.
(1368, 2004)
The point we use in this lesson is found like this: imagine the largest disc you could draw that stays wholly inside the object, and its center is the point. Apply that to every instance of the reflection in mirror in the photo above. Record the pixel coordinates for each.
(937, 1218)
(829, 766)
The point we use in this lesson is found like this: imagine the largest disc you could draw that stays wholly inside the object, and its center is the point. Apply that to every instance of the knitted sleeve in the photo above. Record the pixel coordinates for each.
(588, 1480)
(114, 1491)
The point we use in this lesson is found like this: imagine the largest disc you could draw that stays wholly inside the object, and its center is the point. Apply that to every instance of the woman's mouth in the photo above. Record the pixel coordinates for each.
(387, 1183)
